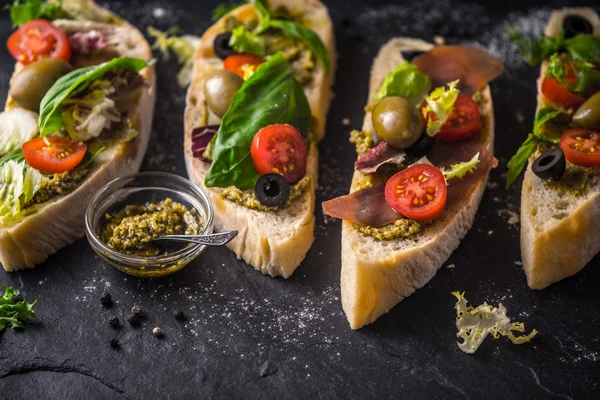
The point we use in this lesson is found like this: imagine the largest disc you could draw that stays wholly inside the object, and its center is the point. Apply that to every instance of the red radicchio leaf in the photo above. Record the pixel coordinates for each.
(201, 137)
(86, 42)
(381, 154)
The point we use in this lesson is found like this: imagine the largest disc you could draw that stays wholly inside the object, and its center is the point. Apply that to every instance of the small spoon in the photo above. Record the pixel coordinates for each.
(214, 239)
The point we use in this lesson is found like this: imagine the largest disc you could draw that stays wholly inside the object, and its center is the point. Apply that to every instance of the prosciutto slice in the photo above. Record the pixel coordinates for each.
(381, 154)
(474, 67)
(368, 207)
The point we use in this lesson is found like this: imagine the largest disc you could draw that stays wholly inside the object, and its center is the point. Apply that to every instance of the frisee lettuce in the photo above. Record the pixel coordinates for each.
(13, 312)
(474, 324)
(23, 11)
(17, 126)
(18, 184)
(587, 76)
(183, 47)
(441, 103)
(460, 169)
(518, 161)
(406, 81)
(243, 41)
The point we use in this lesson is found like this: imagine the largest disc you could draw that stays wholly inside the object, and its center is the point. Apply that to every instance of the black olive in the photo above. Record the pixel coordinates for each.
(272, 190)
(550, 165)
(419, 150)
(221, 45)
(574, 25)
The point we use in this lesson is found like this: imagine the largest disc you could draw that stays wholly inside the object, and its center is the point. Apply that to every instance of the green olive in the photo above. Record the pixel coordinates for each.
(219, 89)
(588, 114)
(397, 122)
(29, 85)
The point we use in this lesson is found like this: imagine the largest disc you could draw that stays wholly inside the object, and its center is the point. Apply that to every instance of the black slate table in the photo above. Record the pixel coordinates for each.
(252, 336)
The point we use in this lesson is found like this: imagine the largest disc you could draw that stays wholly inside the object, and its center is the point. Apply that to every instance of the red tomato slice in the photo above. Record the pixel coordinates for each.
(280, 149)
(419, 192)
(236, 62)
(559, 94)
(39, 39)
(464, 120)
(581, 147)
(62, 155)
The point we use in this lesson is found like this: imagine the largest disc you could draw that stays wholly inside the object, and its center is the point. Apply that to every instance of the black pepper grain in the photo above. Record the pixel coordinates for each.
(179, 315)
(136, 310)
(114, 321)
(114, 343)
(106, 300)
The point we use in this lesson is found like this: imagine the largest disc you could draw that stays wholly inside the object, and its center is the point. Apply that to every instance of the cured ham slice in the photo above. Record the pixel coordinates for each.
(474, 67)
(381, 154)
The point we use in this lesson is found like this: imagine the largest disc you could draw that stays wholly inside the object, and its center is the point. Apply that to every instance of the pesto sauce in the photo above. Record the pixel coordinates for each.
(402, 228)
(247, 198)
(132, 229)
(573, 183)
(60, 184)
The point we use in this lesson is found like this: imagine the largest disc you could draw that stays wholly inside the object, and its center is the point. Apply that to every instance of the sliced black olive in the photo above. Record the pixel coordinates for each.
(550, 165)
(419, 150)
(221, 45)
(574, 25)
(272, 190)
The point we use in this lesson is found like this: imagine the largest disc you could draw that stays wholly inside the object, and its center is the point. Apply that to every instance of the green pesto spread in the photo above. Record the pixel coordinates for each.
(132, 229)
(402, 228)
(60, 184)
(573, 183)
(363, 140)
(247, 198)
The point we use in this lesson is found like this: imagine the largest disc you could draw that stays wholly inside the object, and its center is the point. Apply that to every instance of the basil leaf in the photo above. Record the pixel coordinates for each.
(225, 8)
(270, 96)
(405, 81)
(584, 47)
(22, 12)
(50, 119)
(534, 51)
(247, 42)
(261, 7)
(518, 161)
(300, 32)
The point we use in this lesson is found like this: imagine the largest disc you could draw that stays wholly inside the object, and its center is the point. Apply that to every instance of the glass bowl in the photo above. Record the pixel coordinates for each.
(139, 189)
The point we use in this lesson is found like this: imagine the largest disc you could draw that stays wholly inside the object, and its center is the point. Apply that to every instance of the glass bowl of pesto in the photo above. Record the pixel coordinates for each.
(126, 214)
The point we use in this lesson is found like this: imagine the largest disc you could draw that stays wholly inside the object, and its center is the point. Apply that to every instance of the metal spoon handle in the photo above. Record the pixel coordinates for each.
(214, 239)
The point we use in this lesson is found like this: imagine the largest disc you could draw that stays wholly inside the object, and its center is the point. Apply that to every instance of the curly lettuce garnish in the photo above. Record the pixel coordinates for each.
(405, 81)
(586, 74)
(18, 184)
(14, 312)
(476, 323)
(441, 103)
(183, 47)
(461, 169)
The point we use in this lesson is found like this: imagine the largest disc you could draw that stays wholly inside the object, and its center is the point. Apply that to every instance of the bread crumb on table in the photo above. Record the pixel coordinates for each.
(439, 40)
(451, 266)
(346, 122)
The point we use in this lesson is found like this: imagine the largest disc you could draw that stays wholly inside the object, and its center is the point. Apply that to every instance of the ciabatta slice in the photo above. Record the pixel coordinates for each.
(376, 275)
(560, 234)
(273, 242)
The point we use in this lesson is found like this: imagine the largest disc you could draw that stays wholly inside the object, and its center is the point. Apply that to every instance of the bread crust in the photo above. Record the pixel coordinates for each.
(61, 221)
(377, 275)
(557, 243)
(274, 243)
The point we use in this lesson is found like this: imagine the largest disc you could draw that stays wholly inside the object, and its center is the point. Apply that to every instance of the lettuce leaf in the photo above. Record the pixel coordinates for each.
(405, 81)
(459, 170)
(243, 41)
(474, 324)
(588, 77)
(23, 11)
(14, 312)
(440, 102)
(17, 126)
(18, 184)
(184, 48)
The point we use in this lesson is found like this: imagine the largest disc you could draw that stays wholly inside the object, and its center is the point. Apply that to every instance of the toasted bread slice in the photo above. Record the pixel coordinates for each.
(559, 234)
(273, 242)
(376, 275)
(52, 225)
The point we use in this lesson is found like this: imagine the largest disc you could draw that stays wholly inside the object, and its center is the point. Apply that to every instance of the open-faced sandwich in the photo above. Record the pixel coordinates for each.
(560, 200)
(256, 109)
(423, 160)
(78, 115)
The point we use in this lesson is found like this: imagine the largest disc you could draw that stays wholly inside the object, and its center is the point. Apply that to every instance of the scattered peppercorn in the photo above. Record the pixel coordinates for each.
(114, 321)
(136, 310)
(157, 332)
(114, 343)
(106, 300)
(179, 315)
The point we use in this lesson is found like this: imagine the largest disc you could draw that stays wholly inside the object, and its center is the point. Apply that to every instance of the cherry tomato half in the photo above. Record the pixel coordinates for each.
(464, 120)
(419, 192)
(237, 62)
(280, 149)
(62, 155)
(39, 39)
(559, 94)
(581, 147)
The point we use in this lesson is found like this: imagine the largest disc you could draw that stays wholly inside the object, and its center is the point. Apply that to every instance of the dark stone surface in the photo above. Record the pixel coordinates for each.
(248, 335)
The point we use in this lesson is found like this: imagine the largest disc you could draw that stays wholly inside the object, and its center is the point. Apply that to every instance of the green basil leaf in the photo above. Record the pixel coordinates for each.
(588, 77)
(50, 119)
(300, 32)
(23, 11)
(584, 47)
(534, 51)
(225, 8)
(544, 115)
(405, 81)
(243, 41)
(270, 96)
(262, 8)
